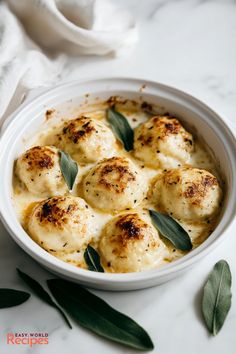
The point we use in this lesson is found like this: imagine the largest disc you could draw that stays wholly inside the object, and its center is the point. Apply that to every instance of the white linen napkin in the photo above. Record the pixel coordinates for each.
(31, 28)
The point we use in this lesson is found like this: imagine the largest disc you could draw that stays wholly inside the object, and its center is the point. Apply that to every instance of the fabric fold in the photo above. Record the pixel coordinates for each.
(36, 37)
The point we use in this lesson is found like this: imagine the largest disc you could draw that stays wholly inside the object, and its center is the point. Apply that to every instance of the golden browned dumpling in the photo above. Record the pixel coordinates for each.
(129, 243)
(188, 193)
(162, 142)
(39, 169)
(87, 139)
(61, 224)
(114, 184)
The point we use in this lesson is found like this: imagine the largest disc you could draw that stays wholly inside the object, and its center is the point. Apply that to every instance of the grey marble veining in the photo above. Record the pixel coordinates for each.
(189, 44)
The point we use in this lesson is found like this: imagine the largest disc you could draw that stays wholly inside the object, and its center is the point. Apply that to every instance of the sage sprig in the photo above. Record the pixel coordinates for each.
(42, 294)
(92, 259)
(170, 229)
(96, 315)
(217, 295)
(11, 297)
(69, 168)
(121, 128)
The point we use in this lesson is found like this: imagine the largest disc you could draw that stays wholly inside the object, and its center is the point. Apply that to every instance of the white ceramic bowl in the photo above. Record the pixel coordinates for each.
(30, 117)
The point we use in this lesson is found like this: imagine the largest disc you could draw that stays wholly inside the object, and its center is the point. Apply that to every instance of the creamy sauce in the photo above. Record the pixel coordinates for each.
(24, 200)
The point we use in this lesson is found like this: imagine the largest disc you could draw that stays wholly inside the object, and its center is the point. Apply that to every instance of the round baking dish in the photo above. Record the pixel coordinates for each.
(30, 117)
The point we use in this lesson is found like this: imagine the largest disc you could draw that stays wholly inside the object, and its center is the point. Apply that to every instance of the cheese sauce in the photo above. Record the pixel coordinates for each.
(200, 158)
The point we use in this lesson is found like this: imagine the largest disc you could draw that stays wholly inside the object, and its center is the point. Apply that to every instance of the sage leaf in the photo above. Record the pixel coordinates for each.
(69, 169)
(42, 294)
(170, 229)
(96, 315)
(92, 259)
(217, 295)
(121, 128)
(11, 297)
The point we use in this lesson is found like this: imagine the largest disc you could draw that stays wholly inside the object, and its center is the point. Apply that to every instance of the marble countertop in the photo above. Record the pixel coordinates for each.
(189, 44)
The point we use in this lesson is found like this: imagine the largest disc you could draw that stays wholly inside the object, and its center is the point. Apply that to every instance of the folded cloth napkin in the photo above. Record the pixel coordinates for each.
(31, 28)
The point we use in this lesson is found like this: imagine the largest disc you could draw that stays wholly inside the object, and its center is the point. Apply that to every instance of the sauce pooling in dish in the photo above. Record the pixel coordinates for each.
(168, 170)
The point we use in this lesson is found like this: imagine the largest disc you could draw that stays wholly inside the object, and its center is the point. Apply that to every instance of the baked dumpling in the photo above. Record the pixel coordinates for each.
(61, 224)
(39, 169)
(87, 139)
(129, 243)
(114, 184)
(188, 193)
(162, 142)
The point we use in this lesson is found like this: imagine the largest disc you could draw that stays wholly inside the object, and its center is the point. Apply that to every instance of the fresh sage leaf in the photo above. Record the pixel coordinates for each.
(121, 128)
(92, 259)
(41, 293)
(170, 229)
(69, 169)
(11, 297)
(96, 315)
(217, 295)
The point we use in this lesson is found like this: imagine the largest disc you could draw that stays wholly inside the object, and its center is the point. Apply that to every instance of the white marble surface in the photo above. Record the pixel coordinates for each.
(189, 44)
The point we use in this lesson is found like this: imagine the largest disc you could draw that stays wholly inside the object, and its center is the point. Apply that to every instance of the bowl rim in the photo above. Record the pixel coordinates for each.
(73, 272)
